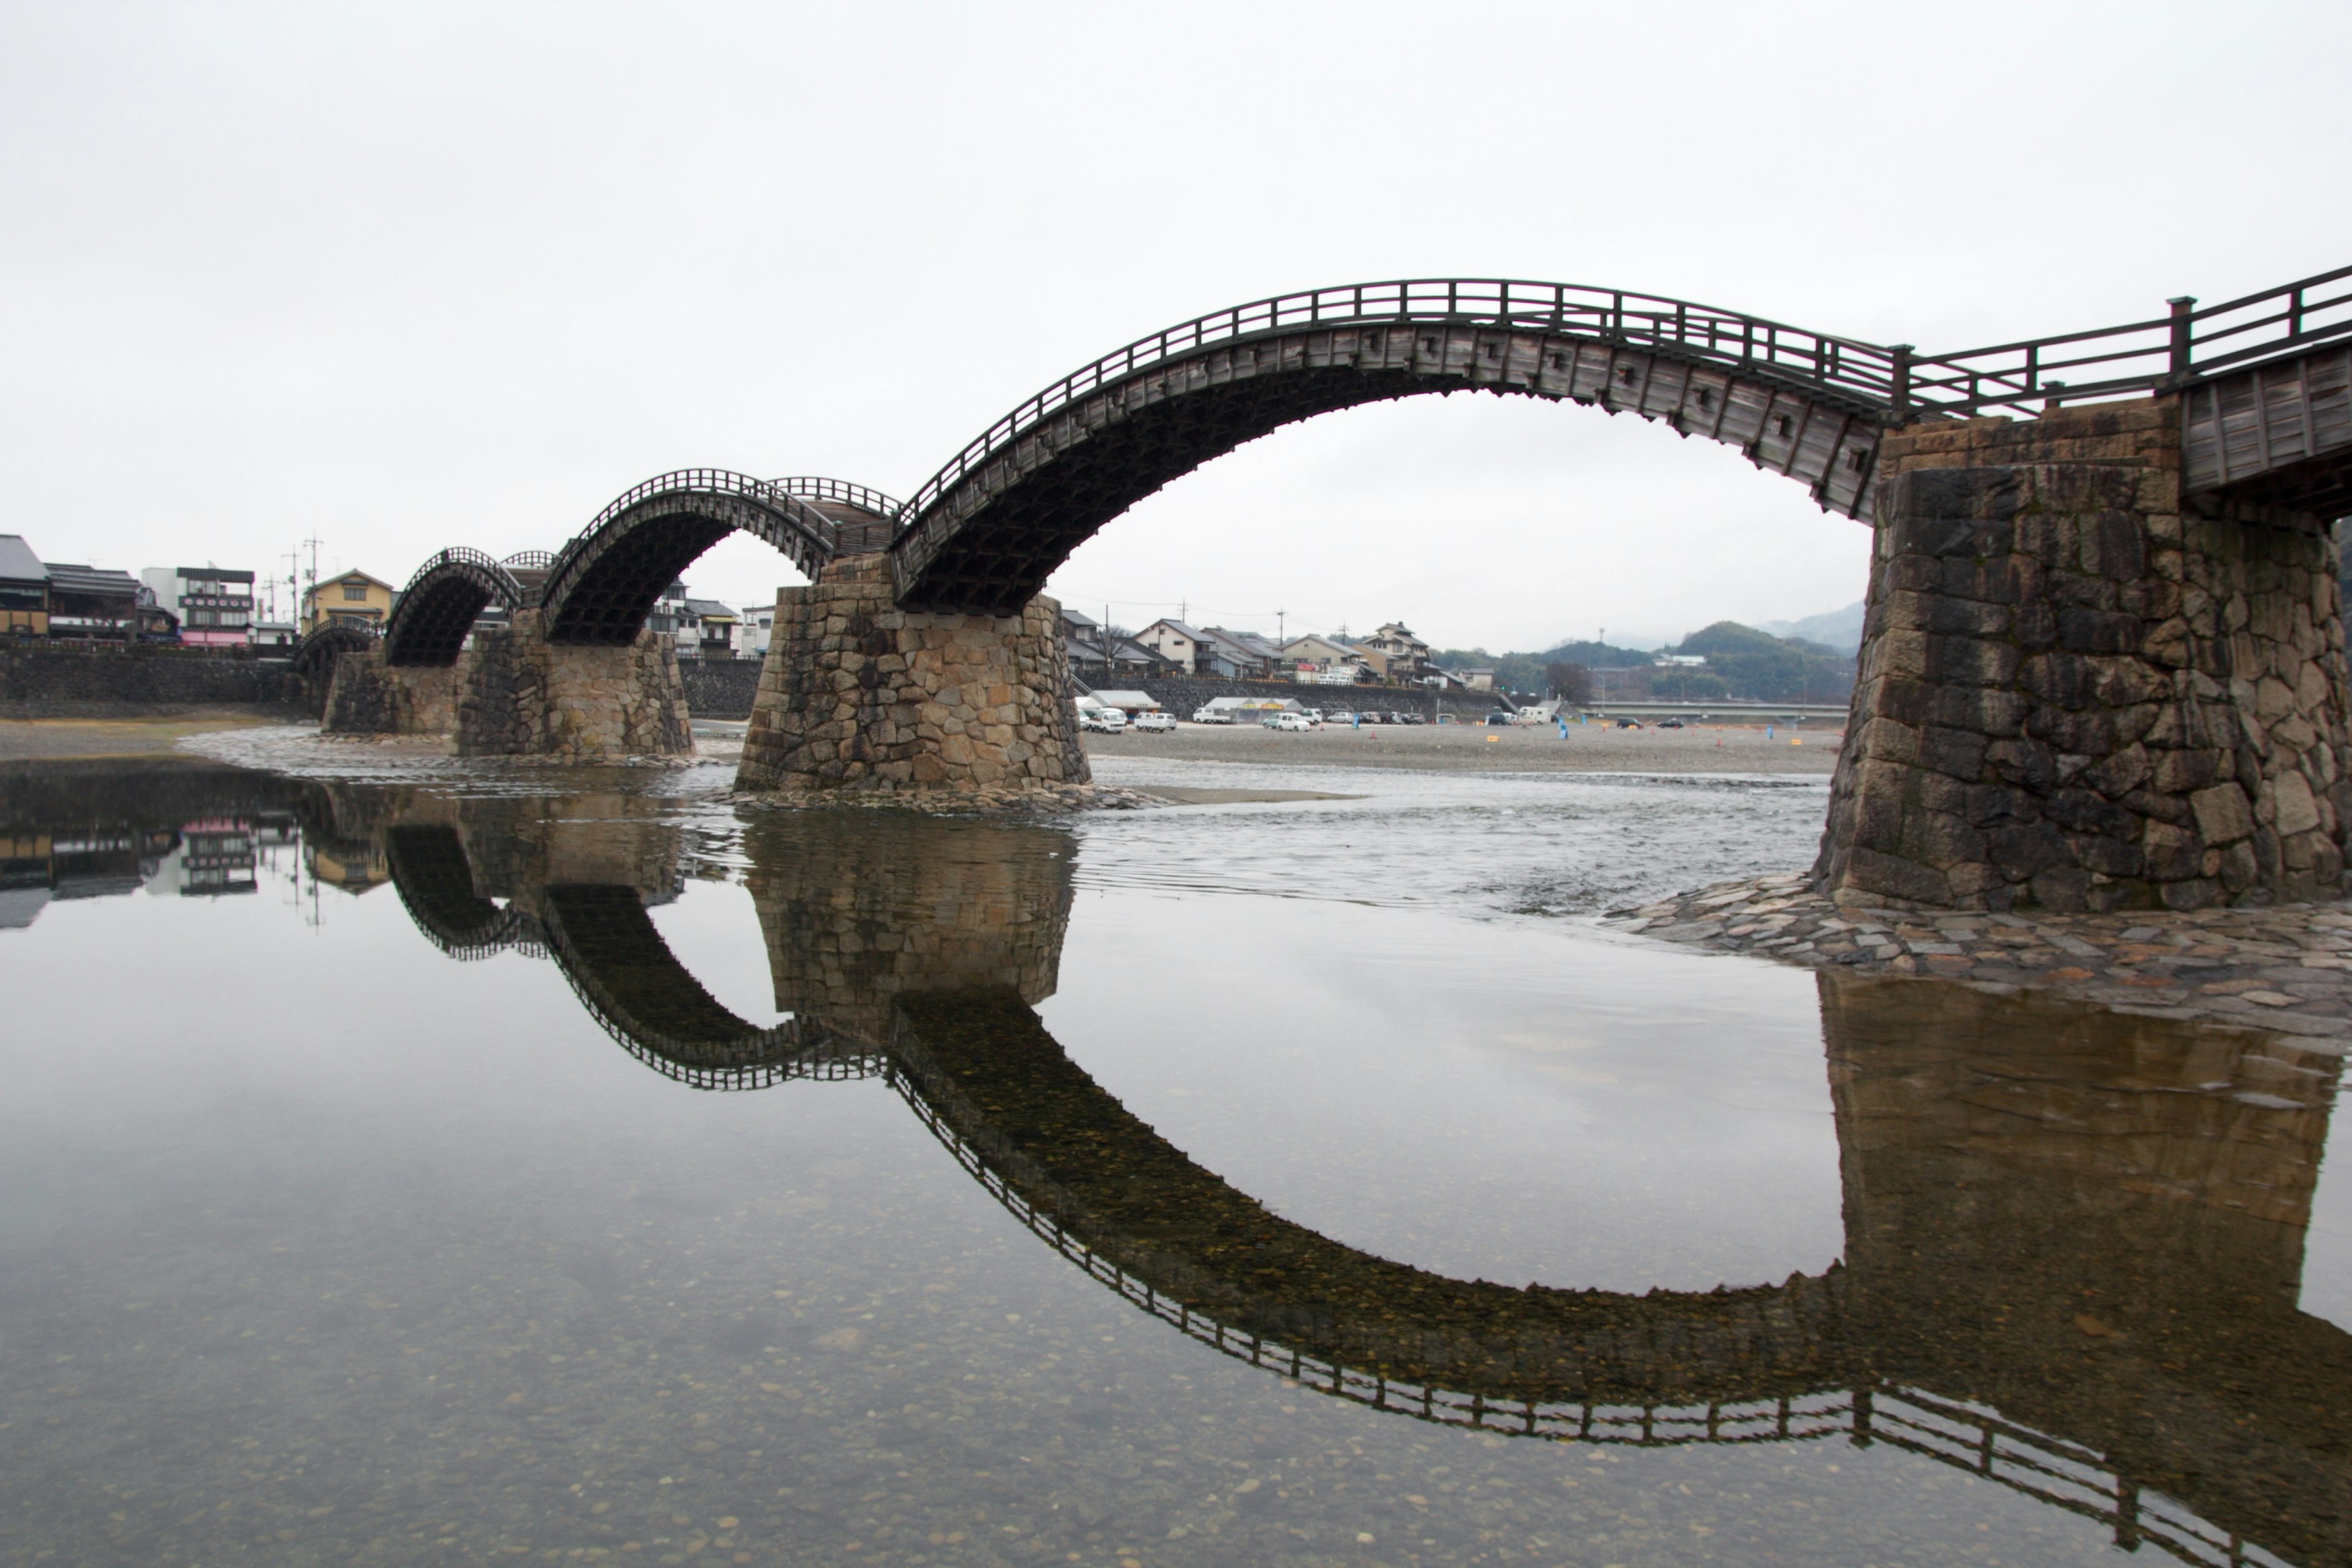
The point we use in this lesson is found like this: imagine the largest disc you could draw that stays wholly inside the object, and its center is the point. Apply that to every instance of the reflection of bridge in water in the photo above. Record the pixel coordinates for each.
(2074, 1241)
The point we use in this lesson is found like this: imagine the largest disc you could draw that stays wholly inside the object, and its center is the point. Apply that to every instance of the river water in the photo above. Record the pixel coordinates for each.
(420, 1163)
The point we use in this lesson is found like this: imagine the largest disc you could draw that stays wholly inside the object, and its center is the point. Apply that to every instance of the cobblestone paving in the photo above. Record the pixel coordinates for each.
(2286, 968)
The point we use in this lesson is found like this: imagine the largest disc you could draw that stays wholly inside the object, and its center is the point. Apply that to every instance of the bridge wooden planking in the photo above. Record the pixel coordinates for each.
(2252, 431)
(1831, 451)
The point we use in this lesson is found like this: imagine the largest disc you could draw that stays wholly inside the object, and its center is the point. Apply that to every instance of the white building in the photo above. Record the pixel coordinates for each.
(213, 604)
(758, 626)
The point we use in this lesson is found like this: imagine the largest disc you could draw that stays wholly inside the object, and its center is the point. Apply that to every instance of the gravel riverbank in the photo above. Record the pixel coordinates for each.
(1450, 748)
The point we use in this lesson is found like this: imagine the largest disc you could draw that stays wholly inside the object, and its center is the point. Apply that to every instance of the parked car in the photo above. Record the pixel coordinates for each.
(1102, 721)
(1670, 723)
(1345, 716)
(1213, 716)
(1499, 717)
(1412, 719)
(1629, 723)
(1153, 723)
(1298, 722)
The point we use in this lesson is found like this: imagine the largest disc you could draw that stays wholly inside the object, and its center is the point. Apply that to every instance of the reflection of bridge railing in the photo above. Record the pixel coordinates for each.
(1971, 1438)
(760, 1059)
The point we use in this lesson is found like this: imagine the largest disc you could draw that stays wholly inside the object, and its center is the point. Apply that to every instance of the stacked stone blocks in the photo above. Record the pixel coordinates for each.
(858, 694)
(525, 695)
(2078, 693)
(369, 696)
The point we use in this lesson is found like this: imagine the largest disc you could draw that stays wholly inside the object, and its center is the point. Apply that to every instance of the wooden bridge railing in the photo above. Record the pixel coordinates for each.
(1894, 381)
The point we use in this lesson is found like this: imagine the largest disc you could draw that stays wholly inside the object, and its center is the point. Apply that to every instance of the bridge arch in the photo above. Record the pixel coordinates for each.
(614, 959)
(435, 613)
(600, 587)
(984, 533)
(1060, 1151)
(315, 655)
(434, 880)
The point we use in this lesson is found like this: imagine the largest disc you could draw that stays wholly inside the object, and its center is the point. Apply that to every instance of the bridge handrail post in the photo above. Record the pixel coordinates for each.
(1899, 388)
(2183, 331)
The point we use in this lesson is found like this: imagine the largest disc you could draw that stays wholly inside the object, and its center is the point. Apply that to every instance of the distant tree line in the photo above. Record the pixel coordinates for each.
(1742, 663)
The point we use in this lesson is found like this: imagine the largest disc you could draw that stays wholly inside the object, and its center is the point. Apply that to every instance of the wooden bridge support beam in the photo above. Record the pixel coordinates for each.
(860, 694)
(2080, 688)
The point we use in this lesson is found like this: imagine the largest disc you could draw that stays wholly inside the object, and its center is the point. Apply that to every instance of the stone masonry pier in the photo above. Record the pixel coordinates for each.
(2079, 691)
(515, 693)
(858, 694)
(526, 695)
(369, 696)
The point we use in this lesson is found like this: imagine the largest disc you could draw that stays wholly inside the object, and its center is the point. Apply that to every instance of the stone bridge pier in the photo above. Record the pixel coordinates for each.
(368, 695)
(860, 694)
(526, 695)
(2081, 689)
(515, 692)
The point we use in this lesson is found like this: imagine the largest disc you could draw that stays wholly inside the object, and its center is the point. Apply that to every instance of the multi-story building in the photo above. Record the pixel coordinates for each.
(213, 604)
(708, 631)
(351, 598)
(1402, 658)
(92, 604)
(24, 589)
(672, 618)
(1244, 656)
(1174, 641)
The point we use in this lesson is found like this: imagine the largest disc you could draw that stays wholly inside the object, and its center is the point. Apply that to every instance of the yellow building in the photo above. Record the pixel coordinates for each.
(353, 597)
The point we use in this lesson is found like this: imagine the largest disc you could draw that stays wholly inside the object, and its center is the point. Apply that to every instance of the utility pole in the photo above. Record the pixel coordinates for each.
(1280, 636)
(313, 543)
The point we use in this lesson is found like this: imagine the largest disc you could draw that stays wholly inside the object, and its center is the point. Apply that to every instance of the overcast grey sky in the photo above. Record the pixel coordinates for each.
(415, 275)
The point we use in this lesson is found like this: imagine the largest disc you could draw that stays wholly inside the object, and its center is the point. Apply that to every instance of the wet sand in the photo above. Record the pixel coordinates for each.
(33, 739)
(1447, 748)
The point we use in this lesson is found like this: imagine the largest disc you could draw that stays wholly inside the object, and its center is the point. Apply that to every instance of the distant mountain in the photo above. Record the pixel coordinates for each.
(1840, 629)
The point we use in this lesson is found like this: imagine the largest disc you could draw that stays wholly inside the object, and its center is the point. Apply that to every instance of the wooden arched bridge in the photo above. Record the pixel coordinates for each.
(2264, 384)
(2108, 594)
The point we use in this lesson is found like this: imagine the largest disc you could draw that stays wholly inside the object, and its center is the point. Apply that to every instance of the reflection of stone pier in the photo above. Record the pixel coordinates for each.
(860, 911)
(2094, 1225)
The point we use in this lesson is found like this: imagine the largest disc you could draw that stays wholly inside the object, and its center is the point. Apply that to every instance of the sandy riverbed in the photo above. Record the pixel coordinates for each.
(1448, 748)
(154, 735)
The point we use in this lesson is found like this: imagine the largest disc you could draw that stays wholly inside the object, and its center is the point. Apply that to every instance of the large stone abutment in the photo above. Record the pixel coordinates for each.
(858, 694)
(2079, 690)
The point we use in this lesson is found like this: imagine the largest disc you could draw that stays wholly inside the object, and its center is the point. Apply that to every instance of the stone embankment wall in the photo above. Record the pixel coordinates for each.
(860, 694)
(41, 682)
(720, 687)
(1182, 695)
(524, 696)
(2077, 693)
(368, 696)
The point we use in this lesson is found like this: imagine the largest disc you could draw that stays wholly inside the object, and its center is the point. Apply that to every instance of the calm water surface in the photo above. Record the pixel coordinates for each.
(458, 1168)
